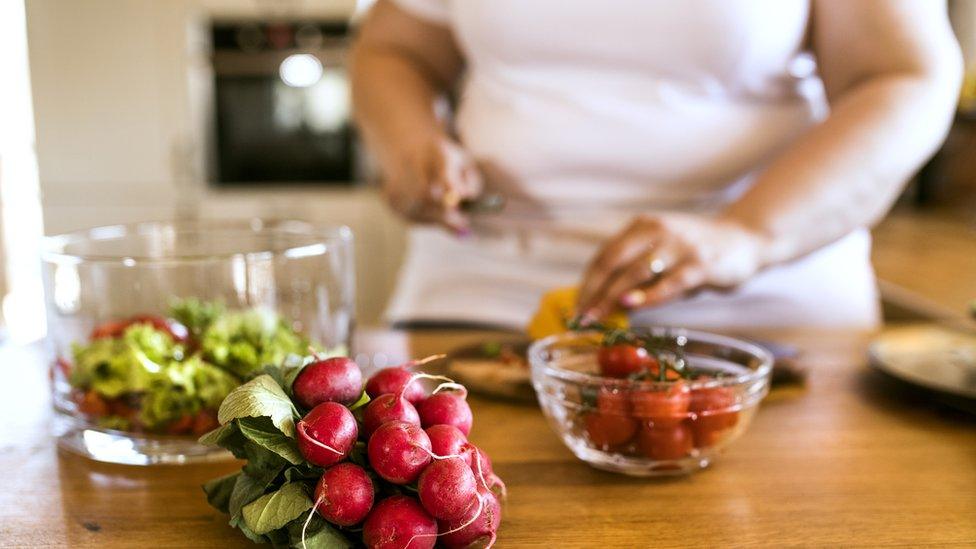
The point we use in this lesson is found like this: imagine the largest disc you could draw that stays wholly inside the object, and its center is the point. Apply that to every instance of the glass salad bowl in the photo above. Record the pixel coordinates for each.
(150, 325)
(650, 425)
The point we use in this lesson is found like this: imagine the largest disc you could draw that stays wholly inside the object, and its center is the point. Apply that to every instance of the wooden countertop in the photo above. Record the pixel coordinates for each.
(853, 460)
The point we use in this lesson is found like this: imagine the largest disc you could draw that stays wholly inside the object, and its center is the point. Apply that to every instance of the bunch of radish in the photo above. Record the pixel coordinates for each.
(421, 482)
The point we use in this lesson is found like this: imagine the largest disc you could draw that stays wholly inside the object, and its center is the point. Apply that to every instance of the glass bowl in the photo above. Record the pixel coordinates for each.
(650, 428)
(151, 324)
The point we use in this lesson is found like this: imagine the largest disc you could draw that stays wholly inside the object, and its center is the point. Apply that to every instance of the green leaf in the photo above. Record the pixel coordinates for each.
(260, 397)
(246, 489)
(319, 535)
(272, 511)
(251, 535)
(304, 472)
(261, 431)
(279, 538)
(261, 462)
(363, 401)
(286, 372)
(219, 490)
(358, 454)
(218, 435)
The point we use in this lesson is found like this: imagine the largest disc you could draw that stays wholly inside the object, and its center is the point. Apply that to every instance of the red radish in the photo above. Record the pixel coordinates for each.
(393, 380)
(480, 532)
(448, 489)
(448, 440)
(335, 379)
(327, 434)
(399, 522)
(399, 451)
(388, 407)
(344, 494)
(497, 487)
(479, 455)
(446, 409)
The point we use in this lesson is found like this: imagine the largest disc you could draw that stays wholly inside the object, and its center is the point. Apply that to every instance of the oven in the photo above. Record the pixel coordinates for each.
(282, 104)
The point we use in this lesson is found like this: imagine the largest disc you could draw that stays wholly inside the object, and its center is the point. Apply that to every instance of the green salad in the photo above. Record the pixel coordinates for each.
(170, 374)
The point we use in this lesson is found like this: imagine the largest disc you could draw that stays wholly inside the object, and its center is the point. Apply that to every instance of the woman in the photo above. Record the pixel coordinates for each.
(706, 163)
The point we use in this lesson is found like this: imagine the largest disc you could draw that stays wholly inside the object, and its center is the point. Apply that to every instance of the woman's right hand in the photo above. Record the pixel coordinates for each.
(429, 179)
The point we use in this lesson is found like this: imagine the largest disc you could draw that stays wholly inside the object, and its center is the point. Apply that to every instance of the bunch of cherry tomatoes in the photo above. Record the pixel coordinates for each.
(666, 422)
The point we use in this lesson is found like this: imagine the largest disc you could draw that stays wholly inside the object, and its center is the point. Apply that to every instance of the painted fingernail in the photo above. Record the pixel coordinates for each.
(633, 298)
(587, 318)
(463, 233)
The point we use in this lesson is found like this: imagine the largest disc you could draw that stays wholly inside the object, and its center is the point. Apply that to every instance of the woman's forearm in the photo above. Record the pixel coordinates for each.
(400, 68)
(847, 172)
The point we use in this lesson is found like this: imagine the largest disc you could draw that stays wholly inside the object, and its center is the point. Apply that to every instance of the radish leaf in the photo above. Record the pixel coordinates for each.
(218, 435)
(219, 490)
(272, 511)
(260, 397)
(320, 535)
(262, 432)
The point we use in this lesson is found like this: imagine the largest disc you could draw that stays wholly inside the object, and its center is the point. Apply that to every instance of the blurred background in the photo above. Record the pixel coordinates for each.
(115, 111)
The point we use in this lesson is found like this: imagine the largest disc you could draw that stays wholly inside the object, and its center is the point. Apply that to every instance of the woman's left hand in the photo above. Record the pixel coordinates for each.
(659, 258)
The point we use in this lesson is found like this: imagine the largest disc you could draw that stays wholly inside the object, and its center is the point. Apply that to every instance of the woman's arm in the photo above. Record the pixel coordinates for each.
(401, 67)
(892, 71)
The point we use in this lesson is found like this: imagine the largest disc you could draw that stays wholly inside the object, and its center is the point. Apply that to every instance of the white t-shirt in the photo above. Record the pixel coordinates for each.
(583, 114)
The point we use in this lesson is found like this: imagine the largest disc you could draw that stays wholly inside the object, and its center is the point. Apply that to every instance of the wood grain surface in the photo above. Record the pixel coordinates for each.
(854, 460)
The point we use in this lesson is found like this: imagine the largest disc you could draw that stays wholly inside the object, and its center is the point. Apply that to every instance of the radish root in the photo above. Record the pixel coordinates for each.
(309, 519)
(450, 385)
(425, 360)
(477, 515)
(301, 426)
(447, 383)
(477, 459)
(315, 354)
(435, 456)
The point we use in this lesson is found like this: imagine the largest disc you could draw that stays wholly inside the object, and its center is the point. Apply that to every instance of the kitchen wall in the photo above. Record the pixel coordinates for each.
(121, 92)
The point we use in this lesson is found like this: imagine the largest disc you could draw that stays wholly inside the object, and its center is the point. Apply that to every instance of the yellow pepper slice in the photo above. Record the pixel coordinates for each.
(557, 307)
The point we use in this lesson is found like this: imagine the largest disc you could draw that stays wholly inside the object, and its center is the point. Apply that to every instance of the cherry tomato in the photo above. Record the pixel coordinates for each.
(662, 408)
(109, 330)
(665, 442)
(63, 366)
(712, 417)
(122, 408)
(612, 401)
(623, 360)
(607, 431)
(204, 422)
(92, 404)
(177, 331)
(181, 426)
